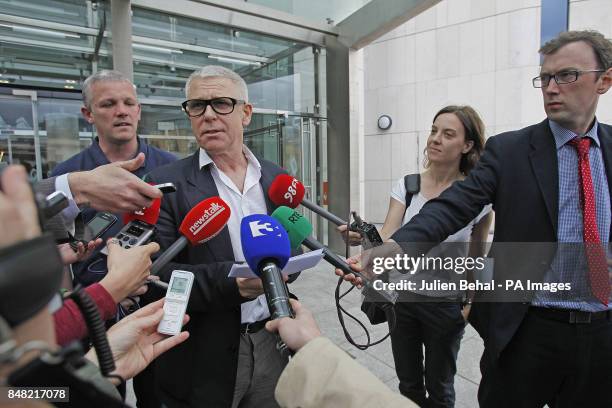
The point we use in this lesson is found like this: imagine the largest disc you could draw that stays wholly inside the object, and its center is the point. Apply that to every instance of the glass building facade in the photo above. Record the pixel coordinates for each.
(48, 48)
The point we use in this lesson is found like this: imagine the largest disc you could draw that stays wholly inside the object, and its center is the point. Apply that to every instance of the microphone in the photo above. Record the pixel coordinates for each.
(289, 191)
(266, 249)
(299, 228)
(202, 223)
(148, 215)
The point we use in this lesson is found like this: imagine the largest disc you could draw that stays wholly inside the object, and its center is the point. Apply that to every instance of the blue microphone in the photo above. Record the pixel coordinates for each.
(266, 249)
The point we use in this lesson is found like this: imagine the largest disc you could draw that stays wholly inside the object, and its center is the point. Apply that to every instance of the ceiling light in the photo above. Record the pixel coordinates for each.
(234, 60)
(156, 49)
(38, 31)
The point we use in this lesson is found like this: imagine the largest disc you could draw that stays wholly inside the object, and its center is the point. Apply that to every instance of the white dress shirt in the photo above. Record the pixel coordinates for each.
(250, 201)
(69, 213)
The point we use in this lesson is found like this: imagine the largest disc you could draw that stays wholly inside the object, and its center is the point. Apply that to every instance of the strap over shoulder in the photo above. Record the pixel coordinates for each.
(412, 182)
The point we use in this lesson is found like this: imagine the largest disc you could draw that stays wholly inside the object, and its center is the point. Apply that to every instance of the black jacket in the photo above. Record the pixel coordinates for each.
(201, 372)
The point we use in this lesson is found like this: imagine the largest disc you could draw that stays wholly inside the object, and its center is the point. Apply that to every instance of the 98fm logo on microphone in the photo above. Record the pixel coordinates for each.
(291, 190)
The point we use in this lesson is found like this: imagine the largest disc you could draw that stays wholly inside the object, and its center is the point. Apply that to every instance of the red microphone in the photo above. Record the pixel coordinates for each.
(147, 215)
(289, 191)
(202, 223)
(286, 190)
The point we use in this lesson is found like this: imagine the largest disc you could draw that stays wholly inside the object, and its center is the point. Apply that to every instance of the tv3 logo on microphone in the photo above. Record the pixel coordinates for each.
(261, 228)
(291, 191)
(209, 215)
(257, 228)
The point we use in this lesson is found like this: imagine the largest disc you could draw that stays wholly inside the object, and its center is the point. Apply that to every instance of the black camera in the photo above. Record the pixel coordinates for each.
(368, 232)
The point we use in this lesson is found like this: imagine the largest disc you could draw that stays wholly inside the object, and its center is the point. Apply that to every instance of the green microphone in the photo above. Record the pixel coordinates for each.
(297, 226)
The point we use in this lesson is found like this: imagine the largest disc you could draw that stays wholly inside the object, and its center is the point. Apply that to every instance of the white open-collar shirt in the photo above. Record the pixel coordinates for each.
(250, 201)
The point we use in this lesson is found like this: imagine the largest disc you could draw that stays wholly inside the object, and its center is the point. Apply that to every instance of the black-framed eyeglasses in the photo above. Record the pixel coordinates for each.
(223, 106)
(563, 77)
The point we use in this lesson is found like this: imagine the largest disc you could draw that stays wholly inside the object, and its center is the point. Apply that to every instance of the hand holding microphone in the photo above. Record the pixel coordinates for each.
(298, 331)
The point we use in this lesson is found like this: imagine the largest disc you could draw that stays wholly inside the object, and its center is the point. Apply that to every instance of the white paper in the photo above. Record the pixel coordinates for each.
(295, 264)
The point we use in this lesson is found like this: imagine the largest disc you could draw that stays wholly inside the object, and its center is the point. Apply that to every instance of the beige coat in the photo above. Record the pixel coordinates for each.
(323, 375)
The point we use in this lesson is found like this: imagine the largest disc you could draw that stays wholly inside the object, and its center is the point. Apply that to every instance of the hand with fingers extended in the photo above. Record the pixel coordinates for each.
(135, 341)
(113, 187)
(70, 256)
(18, 215)
(298, 331)
(353, 237)
(128, 269)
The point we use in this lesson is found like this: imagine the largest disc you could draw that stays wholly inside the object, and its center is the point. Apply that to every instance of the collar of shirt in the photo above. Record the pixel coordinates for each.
(563, 136)
(99, 157)
(253, 173)
(205, 159)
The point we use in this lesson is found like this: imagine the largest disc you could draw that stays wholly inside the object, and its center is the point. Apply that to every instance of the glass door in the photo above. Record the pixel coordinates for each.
(299, 157)
(263, 136)
(17, 132)
(290, 140)
(38, 130)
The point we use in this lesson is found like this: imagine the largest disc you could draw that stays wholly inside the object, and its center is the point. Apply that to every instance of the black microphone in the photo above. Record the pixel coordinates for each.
(384, 296)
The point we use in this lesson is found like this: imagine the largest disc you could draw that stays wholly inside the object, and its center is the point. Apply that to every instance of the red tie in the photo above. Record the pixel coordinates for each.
(596, 256)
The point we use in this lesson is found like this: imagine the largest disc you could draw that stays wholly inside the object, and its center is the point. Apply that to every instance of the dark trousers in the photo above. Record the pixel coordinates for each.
(145, 388)
(551, 362)
(439, 327)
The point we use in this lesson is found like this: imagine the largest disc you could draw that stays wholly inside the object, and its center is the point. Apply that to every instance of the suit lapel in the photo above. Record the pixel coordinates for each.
(605, 139)
(543, 157)
(202, 187)
(267, 177)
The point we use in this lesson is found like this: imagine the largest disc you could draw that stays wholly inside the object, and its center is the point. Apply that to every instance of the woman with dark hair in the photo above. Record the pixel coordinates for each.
(430, 323)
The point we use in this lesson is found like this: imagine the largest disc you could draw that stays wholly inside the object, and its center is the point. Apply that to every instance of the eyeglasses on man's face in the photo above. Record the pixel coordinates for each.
(563, 77)
(223, 106)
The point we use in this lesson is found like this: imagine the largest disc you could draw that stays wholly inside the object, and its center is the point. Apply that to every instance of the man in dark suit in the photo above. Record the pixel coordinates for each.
(553, 349)
(228, 360)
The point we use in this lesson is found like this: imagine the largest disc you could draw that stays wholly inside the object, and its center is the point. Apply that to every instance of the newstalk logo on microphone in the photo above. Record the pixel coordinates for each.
(209, 215)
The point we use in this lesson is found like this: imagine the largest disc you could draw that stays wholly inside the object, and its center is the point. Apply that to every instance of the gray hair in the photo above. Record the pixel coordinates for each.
(101, 76)
(210, 71)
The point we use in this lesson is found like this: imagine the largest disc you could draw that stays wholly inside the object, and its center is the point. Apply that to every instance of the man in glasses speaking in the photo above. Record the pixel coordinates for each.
(229, 360)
